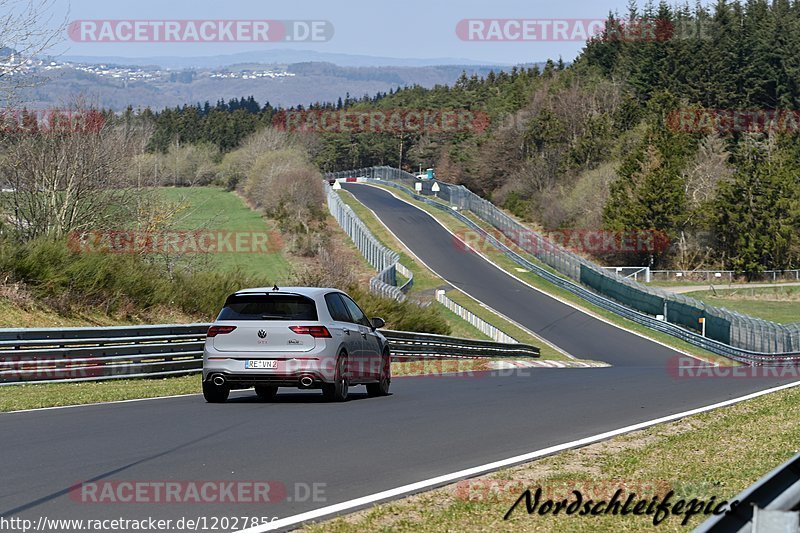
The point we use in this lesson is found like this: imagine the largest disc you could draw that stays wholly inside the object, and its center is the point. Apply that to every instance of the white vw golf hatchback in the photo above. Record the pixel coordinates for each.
(308, 338)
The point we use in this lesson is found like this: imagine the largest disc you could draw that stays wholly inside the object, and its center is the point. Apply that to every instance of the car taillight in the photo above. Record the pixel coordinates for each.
(213, 331)
(315, 331)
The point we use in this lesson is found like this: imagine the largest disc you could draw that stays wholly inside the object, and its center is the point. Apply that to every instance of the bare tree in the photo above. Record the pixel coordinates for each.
(66, 179)
(710, 167)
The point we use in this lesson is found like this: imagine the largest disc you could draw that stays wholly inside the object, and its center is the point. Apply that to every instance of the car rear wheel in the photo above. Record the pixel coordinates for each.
(215, 393)
(381, 388)
(337, 391)
(266, 392)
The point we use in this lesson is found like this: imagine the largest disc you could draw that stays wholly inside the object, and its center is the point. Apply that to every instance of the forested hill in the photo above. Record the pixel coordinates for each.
(691, 129)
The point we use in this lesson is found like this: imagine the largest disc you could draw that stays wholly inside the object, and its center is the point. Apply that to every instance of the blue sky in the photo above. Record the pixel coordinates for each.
(405, 28)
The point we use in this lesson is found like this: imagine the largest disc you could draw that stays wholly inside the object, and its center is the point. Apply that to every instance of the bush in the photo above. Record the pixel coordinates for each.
(336, 270)
(203, 293)
(401, 316)
(69, 280)
(73, 281)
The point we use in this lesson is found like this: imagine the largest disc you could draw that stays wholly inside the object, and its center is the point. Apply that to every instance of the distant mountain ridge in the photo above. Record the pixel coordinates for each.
(279, 56)
(294, 84)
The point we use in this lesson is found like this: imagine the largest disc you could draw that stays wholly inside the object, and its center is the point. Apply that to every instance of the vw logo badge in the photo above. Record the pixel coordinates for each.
(262, 334)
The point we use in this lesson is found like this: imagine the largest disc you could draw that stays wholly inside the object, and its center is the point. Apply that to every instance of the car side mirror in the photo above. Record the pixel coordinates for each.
(378, 323)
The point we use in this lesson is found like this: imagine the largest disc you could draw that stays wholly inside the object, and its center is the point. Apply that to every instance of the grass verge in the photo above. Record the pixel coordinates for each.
(546, 350)
(17, 397)
(779, 304)
(32, 314)
(719, 454)
(214, 209)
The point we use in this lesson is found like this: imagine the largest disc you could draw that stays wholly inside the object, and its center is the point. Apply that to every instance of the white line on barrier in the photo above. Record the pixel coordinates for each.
(419, 486)
(565, 302)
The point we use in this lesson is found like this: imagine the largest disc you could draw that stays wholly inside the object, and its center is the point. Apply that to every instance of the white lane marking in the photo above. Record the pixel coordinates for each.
(489, 467)
(565, 302)
(412, 254)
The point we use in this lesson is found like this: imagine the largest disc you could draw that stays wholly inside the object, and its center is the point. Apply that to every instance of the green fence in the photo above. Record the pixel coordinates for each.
(632, 297)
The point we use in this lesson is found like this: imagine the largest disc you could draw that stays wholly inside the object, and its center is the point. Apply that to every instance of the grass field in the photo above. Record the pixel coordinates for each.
(203, 208)
(215, 209)
(779, 304)
(520, 335)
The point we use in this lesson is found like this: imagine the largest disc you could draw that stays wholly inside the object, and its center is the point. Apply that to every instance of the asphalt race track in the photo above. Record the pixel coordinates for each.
(429, 426)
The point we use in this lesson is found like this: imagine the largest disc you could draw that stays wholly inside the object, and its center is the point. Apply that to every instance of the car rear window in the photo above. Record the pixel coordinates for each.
(268, 307)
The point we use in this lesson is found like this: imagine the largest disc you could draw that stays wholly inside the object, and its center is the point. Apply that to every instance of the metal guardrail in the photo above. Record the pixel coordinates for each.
(90, 354)
(475, 321)
(95, 354)
(737, 354)
(403, 344)
(771, 505)
(409, 275)
(384, 260)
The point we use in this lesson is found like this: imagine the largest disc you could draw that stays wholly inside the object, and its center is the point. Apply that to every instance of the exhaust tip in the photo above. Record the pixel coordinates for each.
(219, 381)
(306, 381)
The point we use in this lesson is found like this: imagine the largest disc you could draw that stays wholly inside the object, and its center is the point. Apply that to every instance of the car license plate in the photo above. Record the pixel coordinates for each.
(260, 363)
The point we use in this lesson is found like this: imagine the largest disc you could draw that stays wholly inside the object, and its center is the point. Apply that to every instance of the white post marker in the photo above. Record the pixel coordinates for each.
(703, 322)
(418, 186)
(337, 186)
(435, 189)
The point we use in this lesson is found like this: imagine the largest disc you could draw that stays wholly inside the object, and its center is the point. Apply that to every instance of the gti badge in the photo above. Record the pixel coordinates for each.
(262, 334)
